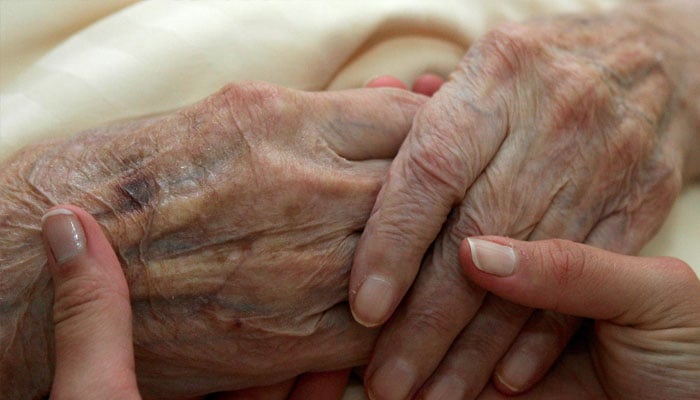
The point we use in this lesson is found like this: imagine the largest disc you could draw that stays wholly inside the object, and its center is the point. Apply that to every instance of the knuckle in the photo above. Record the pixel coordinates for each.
(433, 322)
(660, 176)
(675, 264)
(564, 259)
(80, 296)
(436, 165)
(407, 102)
(482, 346)
(497, 316)
(402, 228)
(580, 99)
(678, 270)
(398, 220)
(681, 283)
(251, 92)
(250, 105)
(474, 217)
(512, 47)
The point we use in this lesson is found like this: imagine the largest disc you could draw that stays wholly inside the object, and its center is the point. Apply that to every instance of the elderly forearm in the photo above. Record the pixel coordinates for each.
(235, 220)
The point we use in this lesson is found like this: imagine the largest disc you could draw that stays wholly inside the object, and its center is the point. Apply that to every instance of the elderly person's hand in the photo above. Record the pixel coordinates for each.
(92, 321)
(235, 221)
(578, 127)
(644, 342)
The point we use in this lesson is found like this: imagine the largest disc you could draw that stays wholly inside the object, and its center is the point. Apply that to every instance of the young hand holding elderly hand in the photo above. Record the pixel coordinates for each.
(545, 131)
(644, 342)
(92, 321)
(576, 127)
(234, 220)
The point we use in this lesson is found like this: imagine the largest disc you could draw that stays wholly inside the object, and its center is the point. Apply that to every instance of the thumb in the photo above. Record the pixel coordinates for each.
(92, 313)
(584, 281)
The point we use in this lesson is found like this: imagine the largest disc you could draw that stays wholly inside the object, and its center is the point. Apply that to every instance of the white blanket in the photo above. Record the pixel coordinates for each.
(70, 65)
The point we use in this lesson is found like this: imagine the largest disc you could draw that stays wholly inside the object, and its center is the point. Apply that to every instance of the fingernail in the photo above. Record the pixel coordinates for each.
(492, 258)
(373, 301)
(64, 234)
(517, 370)
(392, 381)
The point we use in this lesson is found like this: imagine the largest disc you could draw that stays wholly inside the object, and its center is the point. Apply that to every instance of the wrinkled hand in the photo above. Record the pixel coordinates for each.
(570, 127)
(235, 220)
(644, 342)
(92, 321)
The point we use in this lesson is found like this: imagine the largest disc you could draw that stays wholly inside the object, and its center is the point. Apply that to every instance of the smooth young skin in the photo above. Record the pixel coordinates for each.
(91, 311)
(234, 219)
(577, 127)
(644, 340)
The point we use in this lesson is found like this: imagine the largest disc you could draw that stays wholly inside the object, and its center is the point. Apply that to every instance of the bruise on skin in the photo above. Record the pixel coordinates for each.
(135, 192)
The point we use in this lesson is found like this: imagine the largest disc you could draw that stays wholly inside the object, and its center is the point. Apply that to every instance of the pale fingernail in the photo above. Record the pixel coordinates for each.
(492, 258)
(392, 381)
(373, 301)
(64, 234)
(517, 370)
(446, 389)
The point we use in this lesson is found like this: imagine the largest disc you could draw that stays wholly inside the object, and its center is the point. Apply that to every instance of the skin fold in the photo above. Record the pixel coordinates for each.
(234, 219)
(582, 127)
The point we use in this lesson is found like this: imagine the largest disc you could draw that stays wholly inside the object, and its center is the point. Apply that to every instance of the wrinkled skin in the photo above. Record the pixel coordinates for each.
(234, 219)
(577, 127)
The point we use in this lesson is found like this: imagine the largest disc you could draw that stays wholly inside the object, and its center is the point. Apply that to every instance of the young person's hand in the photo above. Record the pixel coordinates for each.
(91, 310)
(644, 341)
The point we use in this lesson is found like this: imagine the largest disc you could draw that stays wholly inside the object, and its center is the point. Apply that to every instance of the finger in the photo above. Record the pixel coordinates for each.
(546, 334)
(581, 280)
(572, 377)
(365, 124)
(535, 350)
(321, 385)
(433, 314)
(438, 307)
(427, 84)
(440, 158)
(467, 366)
(386, 81)
(92, 312)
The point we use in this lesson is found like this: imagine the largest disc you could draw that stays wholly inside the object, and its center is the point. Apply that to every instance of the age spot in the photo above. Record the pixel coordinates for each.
(135, 192)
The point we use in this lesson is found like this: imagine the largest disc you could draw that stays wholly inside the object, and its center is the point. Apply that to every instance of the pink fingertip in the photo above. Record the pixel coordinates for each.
(386, 81)
(427, 84)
